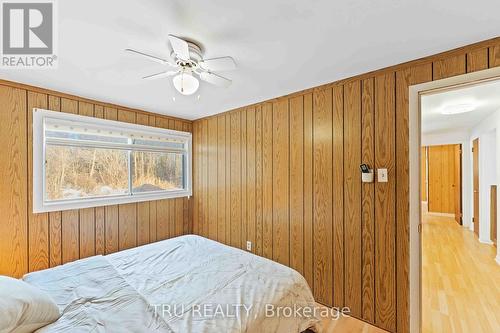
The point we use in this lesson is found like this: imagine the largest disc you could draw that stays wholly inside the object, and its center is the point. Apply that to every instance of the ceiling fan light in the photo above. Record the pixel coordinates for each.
(457, 109)
(186, 83)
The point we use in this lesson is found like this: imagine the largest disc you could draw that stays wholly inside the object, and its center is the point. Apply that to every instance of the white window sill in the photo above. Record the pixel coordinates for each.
(108, 201)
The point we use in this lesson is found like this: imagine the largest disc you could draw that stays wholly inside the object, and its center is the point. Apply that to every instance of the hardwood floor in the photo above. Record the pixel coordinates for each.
(348, 325)
(460, 280)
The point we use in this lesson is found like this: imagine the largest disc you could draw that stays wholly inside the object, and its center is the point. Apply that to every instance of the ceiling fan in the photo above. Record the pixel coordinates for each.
(188, 64)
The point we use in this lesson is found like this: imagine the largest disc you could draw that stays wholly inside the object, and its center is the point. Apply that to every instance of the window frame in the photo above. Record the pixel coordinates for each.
(41, 205)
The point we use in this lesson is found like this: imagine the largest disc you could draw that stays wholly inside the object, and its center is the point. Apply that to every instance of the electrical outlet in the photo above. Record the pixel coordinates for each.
(249, 246)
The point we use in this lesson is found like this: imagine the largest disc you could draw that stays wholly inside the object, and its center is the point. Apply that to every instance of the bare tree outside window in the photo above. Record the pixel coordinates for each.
(152, 171)
(78, 172)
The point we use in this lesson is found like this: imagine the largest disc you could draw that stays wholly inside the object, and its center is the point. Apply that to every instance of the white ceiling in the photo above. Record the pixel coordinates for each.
(485, 97)
(280, 46)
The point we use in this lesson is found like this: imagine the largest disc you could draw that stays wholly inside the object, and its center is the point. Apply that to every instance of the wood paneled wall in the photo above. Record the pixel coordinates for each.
(284, 174)
(30, 242)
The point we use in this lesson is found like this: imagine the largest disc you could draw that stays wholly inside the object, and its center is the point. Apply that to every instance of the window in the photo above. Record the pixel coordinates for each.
(81, 162)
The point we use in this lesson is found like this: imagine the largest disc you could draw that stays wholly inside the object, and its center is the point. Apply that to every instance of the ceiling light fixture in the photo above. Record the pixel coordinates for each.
(186, 83)
(457, 109)
(188, 67)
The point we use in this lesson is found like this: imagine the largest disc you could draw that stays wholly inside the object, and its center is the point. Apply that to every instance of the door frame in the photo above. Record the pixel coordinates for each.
(475, 184)
(415, 93)
(459, 189)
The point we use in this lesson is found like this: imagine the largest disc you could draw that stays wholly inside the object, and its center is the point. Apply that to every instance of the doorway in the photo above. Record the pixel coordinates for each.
(417, 300)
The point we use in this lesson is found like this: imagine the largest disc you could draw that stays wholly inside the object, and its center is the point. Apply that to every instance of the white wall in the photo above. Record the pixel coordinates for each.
(488, 132)
(457, 137)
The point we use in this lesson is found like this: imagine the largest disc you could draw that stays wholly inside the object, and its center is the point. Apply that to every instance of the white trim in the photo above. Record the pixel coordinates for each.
(441, 214)
(485, 241)
(40, 116)
(110, 145)
(414, 159)
(497, 259)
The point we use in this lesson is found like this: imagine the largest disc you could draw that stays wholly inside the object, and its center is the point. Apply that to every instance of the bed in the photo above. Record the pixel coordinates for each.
(184, 284)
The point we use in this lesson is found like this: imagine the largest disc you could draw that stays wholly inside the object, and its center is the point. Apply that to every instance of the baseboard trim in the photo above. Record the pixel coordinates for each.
(441, 214)
(485, 241)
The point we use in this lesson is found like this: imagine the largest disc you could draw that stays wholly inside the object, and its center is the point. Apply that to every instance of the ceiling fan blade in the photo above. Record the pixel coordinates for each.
(160, 75)
(215, 79)
(218, 64)
(150, 57)
(180, 47)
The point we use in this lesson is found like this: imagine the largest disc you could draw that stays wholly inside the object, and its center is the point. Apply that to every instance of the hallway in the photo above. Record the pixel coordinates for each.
(460, 279)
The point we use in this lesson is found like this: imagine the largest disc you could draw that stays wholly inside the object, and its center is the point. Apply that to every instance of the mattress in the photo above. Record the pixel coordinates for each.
(184, 284)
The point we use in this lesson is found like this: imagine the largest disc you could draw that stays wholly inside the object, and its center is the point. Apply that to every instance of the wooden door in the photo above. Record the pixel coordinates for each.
(441, 174)
(458, 183)
(475, 183)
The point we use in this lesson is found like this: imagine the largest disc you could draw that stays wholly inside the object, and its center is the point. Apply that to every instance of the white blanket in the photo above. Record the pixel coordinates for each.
(184, 284)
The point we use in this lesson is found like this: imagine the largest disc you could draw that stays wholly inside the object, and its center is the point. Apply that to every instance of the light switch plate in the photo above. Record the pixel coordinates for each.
(382, 176)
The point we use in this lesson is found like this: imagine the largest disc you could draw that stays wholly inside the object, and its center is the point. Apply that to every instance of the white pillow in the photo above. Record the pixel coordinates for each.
(24, 308)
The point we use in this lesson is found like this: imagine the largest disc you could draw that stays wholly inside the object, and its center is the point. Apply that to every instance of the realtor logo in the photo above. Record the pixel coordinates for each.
(28, 31)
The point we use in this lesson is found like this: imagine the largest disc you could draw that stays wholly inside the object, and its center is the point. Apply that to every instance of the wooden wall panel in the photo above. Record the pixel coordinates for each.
(250, 178)
(204, 222)
(385, 203)
(494, 56)
(308, 190)
(322, 195)
(477, 60)
(221, 179)
(281, 182)
(352, 196)
(243, 188)
(338, 196)
(449, 67)
(212, 178)
(188, 202)
(127, 229)
(13, 184)
(235, 175)
(197, 177)
(258, 182)
(368, 201)
(267, 180)
(39, 241)
(227, 144)
(297, 217)
(38, 224)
